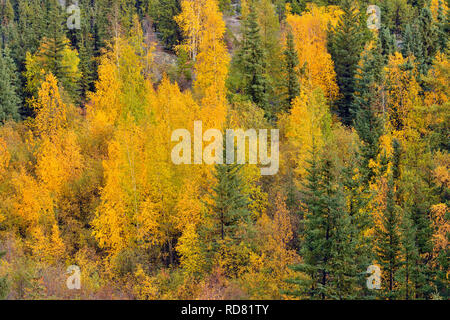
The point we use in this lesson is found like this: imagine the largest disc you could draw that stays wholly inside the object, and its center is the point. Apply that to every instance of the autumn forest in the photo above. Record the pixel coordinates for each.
(91, 92)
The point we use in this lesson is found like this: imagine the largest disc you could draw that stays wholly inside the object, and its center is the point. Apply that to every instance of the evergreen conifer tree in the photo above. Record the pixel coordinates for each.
(292, 85)
(388, 234)
(423, 39)
(163, 13)
(252, 63)
(230, 217)
(9, 95)
(367, 123)
(442, 28)
(346, 42)
(54, 41)
(328, 248)
(387, 40)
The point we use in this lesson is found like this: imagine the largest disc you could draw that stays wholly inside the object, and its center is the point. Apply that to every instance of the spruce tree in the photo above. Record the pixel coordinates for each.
(346, 42)
(87, 65)
(252, 63)
(388, 234)
(343, 266)
(442, 31)
(29, 29)
(163, 13)
(409, 262)
(366, 98)
(358, 206)
(328, 248)
(6, 18)
(427, 37)
(230, 204)
(292, 85)
(229, 221)
(409, 46)
(316, 246)
(388, 44)
(270, 32)
(54, 41)
(54, 46)
(420, 233)
(9, 98)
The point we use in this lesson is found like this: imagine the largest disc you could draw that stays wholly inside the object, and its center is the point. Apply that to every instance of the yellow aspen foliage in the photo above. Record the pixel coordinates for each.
(189, 205)
(145, 289)
(190, 21)
(112, 224)
(438, 79)
(204, 28)
(190, 250)
(174, 109)
(39, 243)
(123, 88)
(49, 249)
(279, 232)
(34, 74)
(212, 64)
(139, 200)
(4, 163)
(402, 90)
(5, 157)
(257, 198)
(308, 124)
(141, 48)
(59, 160)
(90, 265)
(105, 106)
(274, 254)
(310, 40)
(441, 226)
(51, 110)
(133, 82)
(434, 6)
(57, 247)
(31, 202)
(244, 9)
(441, 171)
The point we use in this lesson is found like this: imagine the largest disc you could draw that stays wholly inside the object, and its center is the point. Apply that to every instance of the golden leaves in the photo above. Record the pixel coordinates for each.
(51, 110)
(310, 39)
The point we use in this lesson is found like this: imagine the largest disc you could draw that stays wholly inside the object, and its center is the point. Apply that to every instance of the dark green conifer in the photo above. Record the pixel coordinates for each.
(9, 94)
(346, 43)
